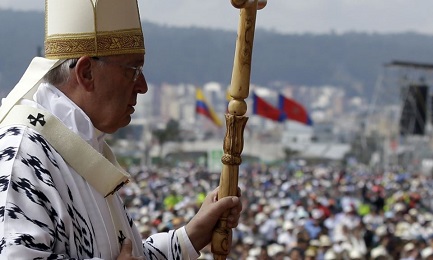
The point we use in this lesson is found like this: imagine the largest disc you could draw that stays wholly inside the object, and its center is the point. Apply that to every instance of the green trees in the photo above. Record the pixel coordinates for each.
(171, 132)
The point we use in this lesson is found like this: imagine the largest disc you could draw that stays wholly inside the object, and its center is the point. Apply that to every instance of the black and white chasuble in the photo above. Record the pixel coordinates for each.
(49, 211)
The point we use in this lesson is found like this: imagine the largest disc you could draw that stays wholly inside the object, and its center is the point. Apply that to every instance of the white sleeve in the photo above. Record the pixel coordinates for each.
(187, 245)
(174, 244)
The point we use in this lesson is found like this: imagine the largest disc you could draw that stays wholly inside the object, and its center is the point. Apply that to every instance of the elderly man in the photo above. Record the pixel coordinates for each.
(58, 178)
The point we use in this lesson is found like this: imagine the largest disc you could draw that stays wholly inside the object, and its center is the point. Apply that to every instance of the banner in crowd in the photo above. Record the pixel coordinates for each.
(264, 109)
(293, 110)
(288, 109)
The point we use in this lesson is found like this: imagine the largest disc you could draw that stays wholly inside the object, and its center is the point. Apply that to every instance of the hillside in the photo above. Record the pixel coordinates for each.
(196, 55)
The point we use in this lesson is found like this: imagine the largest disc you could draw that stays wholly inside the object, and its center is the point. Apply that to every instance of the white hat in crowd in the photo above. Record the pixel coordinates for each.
(379, 251)
(330, 255)
(426, 252)
(355, 254)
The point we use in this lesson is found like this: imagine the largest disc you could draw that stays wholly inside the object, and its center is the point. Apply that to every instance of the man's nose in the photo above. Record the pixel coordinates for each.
(141, 84)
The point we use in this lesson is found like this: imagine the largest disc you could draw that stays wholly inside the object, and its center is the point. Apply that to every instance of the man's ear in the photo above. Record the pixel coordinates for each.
(84, 73)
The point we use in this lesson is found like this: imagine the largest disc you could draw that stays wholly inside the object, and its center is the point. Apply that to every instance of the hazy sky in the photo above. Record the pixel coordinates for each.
(286, 16)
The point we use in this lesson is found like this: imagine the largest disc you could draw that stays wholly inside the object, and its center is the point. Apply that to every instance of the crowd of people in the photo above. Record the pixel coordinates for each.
(294, 212)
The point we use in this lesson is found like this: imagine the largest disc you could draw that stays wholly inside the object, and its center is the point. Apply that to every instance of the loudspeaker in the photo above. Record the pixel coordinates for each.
(414, 111)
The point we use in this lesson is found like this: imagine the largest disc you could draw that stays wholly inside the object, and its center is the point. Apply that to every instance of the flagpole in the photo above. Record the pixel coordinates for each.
(236, 119)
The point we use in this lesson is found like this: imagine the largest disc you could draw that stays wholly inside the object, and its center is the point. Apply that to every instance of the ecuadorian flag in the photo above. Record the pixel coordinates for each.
(202, 107)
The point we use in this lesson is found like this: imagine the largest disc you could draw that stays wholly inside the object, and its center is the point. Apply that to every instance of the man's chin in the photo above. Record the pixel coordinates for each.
(126, 122)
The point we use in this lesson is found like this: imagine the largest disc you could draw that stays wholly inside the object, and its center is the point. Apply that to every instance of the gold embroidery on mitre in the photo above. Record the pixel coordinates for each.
(66, 46)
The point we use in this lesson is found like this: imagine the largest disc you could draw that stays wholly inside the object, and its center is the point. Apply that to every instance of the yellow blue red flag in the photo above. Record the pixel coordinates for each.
(202, 107)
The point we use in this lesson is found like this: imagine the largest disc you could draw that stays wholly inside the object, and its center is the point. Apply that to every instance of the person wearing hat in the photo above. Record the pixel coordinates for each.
(314, 225)
(310, 254)
(58, 177)
(287, 236)
(409, 252)
(325, 246)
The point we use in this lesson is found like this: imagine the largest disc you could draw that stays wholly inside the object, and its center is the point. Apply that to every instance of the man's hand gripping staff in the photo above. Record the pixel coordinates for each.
(236, 119)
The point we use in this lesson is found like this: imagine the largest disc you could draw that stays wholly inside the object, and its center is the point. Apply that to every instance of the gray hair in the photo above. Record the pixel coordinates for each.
(59, 75)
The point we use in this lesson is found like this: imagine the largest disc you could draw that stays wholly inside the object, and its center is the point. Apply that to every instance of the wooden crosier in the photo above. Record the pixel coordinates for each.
(235, 118)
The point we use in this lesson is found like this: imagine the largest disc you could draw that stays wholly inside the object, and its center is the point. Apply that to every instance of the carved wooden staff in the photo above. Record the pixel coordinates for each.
(235, 119)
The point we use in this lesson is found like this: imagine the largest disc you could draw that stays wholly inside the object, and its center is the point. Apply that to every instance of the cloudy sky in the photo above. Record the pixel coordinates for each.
(285, 16)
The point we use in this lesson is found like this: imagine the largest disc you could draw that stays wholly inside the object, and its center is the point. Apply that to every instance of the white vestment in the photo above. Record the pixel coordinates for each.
(48, 211)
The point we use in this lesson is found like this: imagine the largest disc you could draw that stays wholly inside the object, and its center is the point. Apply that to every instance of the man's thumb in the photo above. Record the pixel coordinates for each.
(126, 247)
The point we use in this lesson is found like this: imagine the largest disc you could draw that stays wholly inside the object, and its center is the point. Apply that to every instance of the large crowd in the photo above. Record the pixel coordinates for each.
(298, 212)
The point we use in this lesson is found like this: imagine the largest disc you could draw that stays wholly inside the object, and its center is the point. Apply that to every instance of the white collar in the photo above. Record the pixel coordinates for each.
(56, 102)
